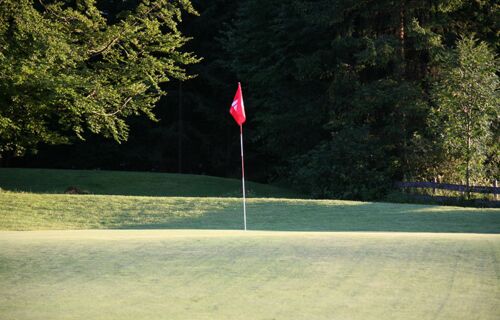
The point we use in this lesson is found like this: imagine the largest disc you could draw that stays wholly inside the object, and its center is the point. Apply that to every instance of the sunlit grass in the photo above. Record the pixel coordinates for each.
(26, 211)
(196, 274)
(384, 260)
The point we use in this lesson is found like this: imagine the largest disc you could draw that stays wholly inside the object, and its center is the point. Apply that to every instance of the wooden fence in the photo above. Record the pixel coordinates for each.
(452, 187)
(494, 190)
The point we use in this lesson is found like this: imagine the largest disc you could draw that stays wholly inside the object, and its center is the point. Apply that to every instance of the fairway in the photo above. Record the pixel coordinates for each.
(162, 274)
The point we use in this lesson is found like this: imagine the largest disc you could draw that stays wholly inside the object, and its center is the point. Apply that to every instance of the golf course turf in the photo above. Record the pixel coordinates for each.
(195, 274)
(303, 259)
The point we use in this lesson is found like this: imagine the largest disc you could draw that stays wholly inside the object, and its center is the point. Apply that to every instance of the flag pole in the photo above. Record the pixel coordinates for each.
(243, 179)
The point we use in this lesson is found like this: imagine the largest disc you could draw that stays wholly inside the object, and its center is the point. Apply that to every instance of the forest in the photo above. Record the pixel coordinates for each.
(343, 97)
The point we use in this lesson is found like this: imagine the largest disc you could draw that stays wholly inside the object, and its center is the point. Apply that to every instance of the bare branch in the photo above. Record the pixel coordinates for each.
(106, 47)
(93, 93)
(116, 111)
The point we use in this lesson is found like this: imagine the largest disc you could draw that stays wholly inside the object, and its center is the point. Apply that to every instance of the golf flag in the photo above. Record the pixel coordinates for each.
(237, 109)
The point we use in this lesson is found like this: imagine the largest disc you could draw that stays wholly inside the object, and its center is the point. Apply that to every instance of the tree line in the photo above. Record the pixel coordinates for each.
(343, 97)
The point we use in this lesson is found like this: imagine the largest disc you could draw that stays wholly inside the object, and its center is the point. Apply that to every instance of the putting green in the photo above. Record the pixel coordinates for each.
(203, 274)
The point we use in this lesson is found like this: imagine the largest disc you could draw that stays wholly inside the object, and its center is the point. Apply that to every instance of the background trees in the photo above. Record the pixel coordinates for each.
(67, 67)
(344, 88)
(341, 95)
(467, 106)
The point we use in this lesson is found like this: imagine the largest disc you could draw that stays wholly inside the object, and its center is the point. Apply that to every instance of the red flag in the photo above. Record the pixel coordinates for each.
(237, 109)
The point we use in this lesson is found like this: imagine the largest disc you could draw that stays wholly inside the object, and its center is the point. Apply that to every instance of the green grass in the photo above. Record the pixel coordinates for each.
(25, 211)
(133, 183)
(384, 261)
(165, 274)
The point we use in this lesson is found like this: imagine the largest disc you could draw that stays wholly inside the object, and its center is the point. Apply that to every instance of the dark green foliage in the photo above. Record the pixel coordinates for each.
(66, 68)
(339, 95)
(342, 87)
(326, 85)
(194, 134)
(350, 166)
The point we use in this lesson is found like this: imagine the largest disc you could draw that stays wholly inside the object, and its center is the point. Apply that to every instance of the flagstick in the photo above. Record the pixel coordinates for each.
(243, 179)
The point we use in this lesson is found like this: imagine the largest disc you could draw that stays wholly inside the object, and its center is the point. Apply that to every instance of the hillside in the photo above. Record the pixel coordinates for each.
(133, 183)
(27, 211)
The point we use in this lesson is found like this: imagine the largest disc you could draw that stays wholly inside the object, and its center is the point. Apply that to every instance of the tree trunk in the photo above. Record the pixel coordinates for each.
(402, 37)
(495, 184)
(467, 157)
(401, 34)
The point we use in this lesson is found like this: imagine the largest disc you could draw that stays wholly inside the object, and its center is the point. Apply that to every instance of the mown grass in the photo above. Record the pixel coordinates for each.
(423, 262)
(26, 211)
(165, 274)
(132, 183)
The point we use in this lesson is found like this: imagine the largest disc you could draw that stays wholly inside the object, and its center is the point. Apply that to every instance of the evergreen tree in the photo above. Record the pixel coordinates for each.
(343, 76)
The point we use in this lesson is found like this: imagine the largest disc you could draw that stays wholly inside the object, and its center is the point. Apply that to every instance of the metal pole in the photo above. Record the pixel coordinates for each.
(495, 184)
(243, 179)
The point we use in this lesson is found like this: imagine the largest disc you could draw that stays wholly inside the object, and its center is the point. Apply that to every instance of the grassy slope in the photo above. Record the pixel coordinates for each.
(25, 211)
(132, 183)
(203, 274)
(254, 275)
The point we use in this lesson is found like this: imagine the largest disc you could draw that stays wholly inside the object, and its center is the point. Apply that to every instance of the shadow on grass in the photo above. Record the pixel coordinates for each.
(316, 216)
(132, 183)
